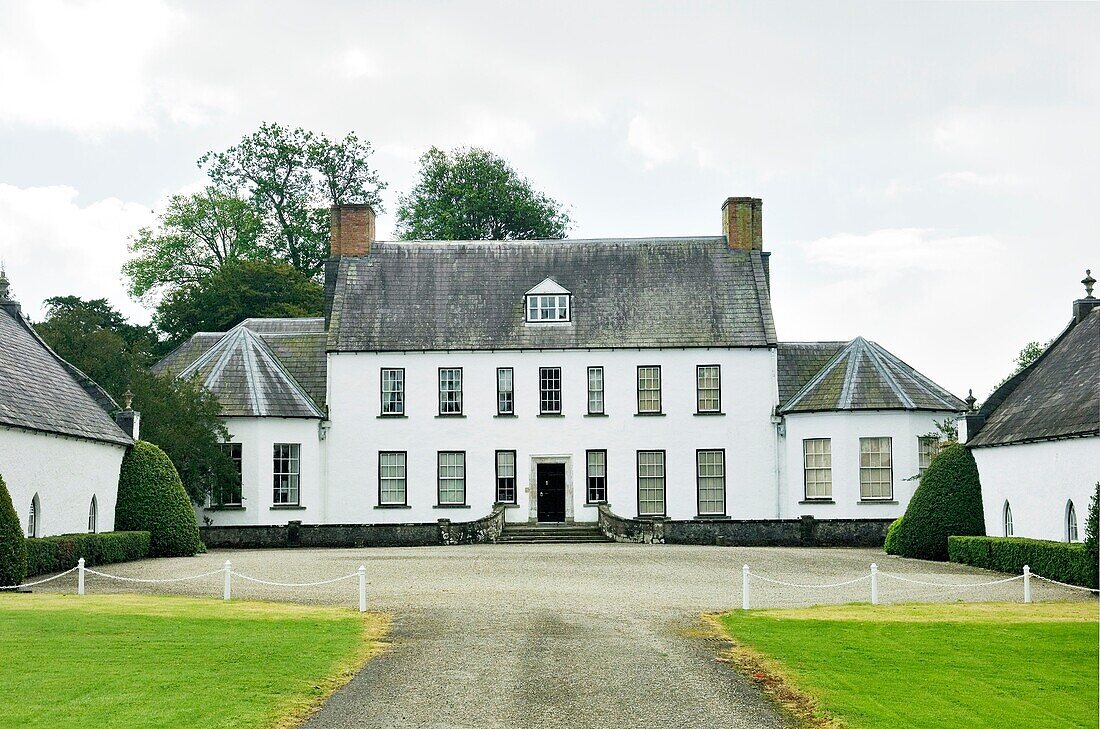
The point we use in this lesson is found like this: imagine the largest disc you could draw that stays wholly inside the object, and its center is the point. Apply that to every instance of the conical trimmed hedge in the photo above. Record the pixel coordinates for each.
(13, 546)
(948, 502)
(151, 498)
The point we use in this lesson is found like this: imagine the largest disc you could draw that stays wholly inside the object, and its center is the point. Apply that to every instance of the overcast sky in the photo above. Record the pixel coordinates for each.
(929, 171)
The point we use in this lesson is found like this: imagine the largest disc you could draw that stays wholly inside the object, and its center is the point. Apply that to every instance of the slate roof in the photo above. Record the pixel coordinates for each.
(859, 375)
(40, 391)
(260, 368)
(1057, 396)
(648, 293)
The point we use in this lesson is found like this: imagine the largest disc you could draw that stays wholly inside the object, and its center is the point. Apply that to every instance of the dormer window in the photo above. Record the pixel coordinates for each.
(549, 302)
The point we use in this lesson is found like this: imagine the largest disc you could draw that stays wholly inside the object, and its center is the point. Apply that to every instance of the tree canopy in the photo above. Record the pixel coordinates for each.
(292, 177)
(178, 415)
(234, 293)
(194, 237)
(472, 194)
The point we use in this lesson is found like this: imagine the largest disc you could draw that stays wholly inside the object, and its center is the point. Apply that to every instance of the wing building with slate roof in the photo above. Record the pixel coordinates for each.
(1036, 439)
(552, 376)
(60, 447)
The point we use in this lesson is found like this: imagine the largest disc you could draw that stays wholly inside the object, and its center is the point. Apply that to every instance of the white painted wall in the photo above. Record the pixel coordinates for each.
(1038, 479)
(357, 434)
(845, 429)
(65, 473)
(257, 437)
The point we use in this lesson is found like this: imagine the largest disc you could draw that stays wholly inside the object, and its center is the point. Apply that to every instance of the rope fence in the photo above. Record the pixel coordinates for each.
(227, 576)
(874, 575)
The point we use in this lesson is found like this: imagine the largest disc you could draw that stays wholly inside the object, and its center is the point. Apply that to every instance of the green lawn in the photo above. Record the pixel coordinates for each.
(991, 665)
(139, 661)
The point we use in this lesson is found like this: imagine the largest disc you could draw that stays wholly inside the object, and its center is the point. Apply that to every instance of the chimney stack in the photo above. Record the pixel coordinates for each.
(742, 223)
(351, 233)
(351, 230)
(1082, 307)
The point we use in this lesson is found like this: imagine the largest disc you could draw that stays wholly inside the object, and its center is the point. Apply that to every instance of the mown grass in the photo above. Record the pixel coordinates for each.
(139, 661)
(972, 665)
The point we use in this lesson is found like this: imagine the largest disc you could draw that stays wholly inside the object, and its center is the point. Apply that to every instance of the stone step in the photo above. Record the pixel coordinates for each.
(587, 539)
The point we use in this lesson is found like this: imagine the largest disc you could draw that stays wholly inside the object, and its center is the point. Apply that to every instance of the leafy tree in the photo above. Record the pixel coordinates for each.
(194, 237)
(948, 502)
(471, 194)
(179, 416)
(292, 177)
(152, 499)
(236, 292)
(98, 340)
(1027, 355)
(13, 546)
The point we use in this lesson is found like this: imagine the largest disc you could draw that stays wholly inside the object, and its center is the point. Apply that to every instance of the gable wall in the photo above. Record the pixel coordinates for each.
(357, 434)
(65, 473)
(1037, 479)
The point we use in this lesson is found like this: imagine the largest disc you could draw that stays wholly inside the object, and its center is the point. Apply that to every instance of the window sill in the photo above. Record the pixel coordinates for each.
(549, 415)
(653, 518)
(287, 507)
(451, 506)
(505, 415)
(712, 517)
(394, 416)
(817, 501)
(227, 507)
(593, 504)
(709, 415)
(649, 415)
(876, 501)
(595, 415)
(507, 504)
(392, 506)
(450, 415)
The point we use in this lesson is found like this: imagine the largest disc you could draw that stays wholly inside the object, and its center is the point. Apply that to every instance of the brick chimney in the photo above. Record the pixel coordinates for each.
(351, 233)
(742, 223)
(351, 230)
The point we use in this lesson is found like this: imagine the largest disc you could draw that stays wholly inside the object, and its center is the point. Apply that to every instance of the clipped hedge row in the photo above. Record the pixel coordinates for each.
(57, 554)
(1057, 560)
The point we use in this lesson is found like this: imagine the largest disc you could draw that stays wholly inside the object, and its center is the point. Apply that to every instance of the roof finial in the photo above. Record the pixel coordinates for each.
(5, 289)
(127, 399)
(970, 401)
(1088, 281)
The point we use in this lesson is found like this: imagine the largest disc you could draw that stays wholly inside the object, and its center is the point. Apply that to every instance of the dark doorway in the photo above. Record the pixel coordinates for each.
(551, 496)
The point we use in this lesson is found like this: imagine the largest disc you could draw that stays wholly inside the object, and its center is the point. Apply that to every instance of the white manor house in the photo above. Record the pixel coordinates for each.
(550, 377)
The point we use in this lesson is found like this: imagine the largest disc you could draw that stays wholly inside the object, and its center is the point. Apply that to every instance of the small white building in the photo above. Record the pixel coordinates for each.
(1036, 440)
(449, 377)
(60, 448)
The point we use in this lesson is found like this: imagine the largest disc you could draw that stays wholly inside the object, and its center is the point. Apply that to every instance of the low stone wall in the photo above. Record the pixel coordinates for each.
(803, 532)
(296, 534)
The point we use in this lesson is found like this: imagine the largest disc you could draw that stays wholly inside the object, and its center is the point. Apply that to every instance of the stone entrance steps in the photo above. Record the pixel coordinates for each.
(552, 534)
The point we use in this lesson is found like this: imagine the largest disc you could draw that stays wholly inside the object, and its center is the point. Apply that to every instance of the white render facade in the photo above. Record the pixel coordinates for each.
(550, 377)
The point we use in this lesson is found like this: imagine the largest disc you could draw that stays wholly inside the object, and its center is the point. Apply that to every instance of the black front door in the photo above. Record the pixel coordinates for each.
(551, 496)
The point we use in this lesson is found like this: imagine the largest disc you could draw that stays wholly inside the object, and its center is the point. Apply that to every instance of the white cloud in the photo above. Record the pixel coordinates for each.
(53, 246)
(85, 67)
(356, 63)
(899, 250)
(646, 138)
(968, 179)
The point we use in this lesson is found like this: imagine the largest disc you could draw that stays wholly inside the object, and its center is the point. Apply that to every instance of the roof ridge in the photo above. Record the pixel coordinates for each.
(889, 376)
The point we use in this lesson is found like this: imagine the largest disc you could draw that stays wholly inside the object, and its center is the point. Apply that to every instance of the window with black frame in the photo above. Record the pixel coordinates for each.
(227, 491)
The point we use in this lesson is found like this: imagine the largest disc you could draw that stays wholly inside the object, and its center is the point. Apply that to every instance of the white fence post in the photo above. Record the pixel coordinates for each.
(874, 584)
(227, 592)
(362, 589)
(80, 576)
(745, 587)
(1027, 583)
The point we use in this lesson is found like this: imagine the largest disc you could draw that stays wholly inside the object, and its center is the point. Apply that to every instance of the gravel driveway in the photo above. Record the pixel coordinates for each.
(558, 635)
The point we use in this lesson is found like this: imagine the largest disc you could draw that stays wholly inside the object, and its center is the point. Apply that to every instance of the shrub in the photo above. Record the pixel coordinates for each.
(1057, 560)
(947, 502)
(1092, 526)
(13, 550)
(59, 553)
(151, 498)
